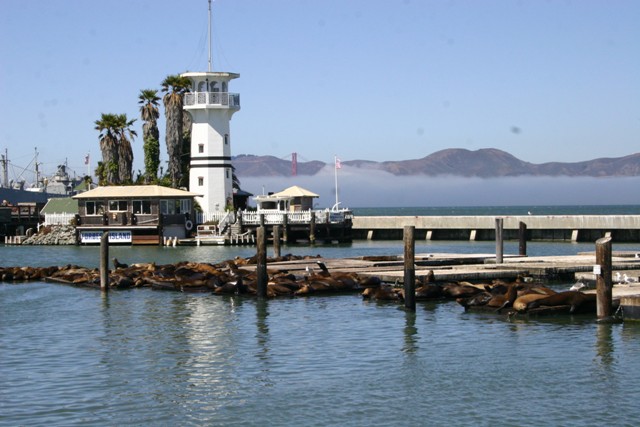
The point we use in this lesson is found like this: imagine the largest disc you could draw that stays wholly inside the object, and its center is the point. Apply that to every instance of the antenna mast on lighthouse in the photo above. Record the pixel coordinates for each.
(209, 68)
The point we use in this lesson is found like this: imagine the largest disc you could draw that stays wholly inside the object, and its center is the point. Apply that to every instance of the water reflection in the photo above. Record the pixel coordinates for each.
(604, 346)
(262, 327)
(410, 333)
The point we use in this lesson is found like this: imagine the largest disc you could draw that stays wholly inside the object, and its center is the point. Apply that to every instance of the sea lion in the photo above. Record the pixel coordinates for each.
(428, 291)
(459, 290)
(574, 299)
(369, 282)
(386, 292)
(479, 299)
(117, 264)
(520, 304)
(506, 300)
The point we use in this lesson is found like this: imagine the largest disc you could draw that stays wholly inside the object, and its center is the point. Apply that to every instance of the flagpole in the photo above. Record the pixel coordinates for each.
(335, 169)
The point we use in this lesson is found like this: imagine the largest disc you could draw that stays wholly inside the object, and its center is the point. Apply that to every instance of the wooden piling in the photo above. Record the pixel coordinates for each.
(312, 228)
(409, 268)
(276, 241)
(104, 261)
(604, 287)
(285, 228)
(261, 262)
(499, 240)
(522, 239)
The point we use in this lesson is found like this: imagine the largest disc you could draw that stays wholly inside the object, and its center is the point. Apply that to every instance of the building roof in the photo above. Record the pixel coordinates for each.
(131, 191)
(60, 205)
(211, 74)
(295, 191)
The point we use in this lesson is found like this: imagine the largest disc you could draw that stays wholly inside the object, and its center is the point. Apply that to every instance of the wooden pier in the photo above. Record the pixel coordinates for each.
(573, 228)
(474, 267)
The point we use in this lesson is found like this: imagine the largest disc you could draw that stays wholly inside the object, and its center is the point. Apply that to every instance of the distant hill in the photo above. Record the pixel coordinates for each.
(484, 163)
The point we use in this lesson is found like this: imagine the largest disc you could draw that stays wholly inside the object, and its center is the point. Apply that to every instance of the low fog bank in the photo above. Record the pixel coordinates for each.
(370, 188)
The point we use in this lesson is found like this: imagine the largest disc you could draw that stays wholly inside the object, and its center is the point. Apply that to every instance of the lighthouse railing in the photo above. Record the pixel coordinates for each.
(212, 98)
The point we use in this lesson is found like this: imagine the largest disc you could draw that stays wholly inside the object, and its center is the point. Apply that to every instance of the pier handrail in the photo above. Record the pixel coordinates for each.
(58, 218)
(275, 216)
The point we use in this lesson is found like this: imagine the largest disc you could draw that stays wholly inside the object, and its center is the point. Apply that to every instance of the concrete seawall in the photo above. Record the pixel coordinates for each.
(622, 228)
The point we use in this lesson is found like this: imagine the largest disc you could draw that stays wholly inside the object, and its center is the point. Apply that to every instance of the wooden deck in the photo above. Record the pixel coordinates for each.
(480, 268)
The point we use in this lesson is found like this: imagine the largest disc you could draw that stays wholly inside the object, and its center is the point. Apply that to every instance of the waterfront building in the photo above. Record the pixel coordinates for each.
(137, 214)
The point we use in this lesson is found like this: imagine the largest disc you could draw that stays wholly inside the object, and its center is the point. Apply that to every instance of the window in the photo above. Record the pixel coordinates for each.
(142, 207)
(227, 171)
(185, 205)
(200, 148)
(94, 208)
(117, 205)
(226, 139)
(175, 206)
(200, 181)
(202, 86)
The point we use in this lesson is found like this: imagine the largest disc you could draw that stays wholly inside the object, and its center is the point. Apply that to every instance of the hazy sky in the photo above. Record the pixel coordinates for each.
(361, 79)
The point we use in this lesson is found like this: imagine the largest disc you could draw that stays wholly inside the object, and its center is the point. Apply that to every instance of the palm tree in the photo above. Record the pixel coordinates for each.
(235, 181)
(185, 158)
(101, 174)
(107, 125)
(148, 99)
(175, 86)
(125, 153)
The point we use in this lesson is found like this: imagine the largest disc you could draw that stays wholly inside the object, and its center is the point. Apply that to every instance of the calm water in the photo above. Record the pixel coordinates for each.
(75, 357)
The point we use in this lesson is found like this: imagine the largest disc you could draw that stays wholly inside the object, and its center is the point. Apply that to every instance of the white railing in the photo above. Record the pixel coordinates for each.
(202, 218)
(212, 98)
(58, 218)
(275, 216)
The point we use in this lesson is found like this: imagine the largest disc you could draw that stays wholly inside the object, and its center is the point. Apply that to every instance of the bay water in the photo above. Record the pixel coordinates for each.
(76, 357)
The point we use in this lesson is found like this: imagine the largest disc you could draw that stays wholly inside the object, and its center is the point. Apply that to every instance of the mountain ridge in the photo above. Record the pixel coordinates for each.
(482, 163)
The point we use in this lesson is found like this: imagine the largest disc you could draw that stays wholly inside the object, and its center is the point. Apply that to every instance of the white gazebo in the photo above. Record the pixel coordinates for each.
(292, 199)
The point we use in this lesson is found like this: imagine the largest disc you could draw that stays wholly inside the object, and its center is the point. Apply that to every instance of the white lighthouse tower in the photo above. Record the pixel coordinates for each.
(211, 107)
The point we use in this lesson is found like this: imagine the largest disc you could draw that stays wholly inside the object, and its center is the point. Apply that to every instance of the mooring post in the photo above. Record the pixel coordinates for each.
(104, 261)
(285, 227)
(499, 240)
(276, 241)
(604, 287)
(261, 262)
(522, 239)
(409, 267)
(312, 228)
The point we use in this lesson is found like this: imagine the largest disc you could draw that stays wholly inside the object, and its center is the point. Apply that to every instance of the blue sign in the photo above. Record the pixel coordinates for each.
(114, 236)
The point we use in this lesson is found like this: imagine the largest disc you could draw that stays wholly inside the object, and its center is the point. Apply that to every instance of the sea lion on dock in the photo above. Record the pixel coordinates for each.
(117, 264)
(459, 290)
(369, 282)
(505, 300)
(479, 299)
(428, 291)
(574, 299)
(520, 304)
(386, 292)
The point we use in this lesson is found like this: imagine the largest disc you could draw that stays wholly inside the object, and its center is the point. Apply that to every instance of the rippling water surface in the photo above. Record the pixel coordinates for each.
(74, 357)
